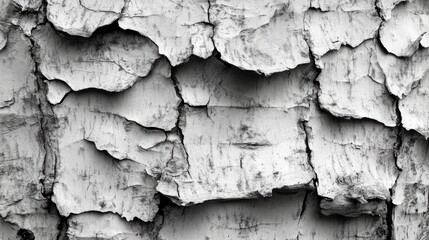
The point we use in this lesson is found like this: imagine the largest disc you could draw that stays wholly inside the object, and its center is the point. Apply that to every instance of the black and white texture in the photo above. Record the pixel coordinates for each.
(214, 119)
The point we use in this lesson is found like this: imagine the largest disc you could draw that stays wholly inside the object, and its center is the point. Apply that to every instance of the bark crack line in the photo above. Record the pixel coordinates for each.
(180, 109)
(306, 128)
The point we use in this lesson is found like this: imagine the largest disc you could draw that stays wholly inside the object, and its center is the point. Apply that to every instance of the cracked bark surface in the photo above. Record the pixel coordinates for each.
(359, 21)
(214, 119)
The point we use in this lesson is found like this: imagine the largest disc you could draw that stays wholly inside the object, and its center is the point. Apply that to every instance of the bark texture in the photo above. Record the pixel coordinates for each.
(214, 119)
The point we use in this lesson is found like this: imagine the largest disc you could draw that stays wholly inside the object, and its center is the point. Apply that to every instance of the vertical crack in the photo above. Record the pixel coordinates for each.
(307, 129)
(397, 146)
(47, 122)
(180, 116)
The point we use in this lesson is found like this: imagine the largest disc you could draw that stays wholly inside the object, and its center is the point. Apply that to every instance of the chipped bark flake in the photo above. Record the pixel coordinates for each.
(352, 84)
(152, 101)
(179, 28)
(314, 226)
(89, 180)
(113, 61)
(414, 110)
(83, 17)
(264, 36)
(403, 74)
(407, 28)
(57, 90)
(346, 23)
(354, 163)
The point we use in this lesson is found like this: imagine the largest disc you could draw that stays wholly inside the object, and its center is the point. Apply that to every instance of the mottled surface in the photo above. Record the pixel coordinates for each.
(214, 119)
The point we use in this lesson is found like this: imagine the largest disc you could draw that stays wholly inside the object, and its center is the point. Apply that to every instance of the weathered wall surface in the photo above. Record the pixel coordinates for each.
(214, 119)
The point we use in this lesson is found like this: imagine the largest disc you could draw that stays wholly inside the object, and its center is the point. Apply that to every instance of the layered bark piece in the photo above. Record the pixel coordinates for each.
(93, 225)
(264, 36)
(403, 74)
(83, 17)
(414, 110)
(237, 144)
(352, 84)
(407, 29)
(151, 102)
(89, 180)
(22, 150)
(110, 61)
(315, 226)
(340, 23)
(279, 217)
(354, 162)
(179, 28)
(270, 218)
(410, 215)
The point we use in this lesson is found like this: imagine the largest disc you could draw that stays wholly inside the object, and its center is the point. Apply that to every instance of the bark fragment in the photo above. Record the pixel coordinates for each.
(83, 17)
(89, 180)
(402, 74)
(401, 35)
(410, 195)
(340, 23)
(263, 36)
(315, 226)
(352, 84)
(112, 61)
(413, 110)
(354, 163)
(179, 28)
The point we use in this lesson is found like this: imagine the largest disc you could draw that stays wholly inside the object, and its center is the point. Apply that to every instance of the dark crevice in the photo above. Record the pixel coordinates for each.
(304, 204)
(397, 147)
(47, 122)
(25, 234)
(62, 228)
(307, 131)
(389, 217)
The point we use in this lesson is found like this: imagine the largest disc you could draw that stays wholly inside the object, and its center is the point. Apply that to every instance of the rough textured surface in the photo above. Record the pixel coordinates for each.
(113, 61)
(214, 119)
(354, 163)
(94, 225)
(252, 154)
(352, 84)
(179, 28)
(414, 115)
(22, 150)
(279, 217)
(83, 17)
(359, 21)
(406, 30)
(410, 215)
(264, 36)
